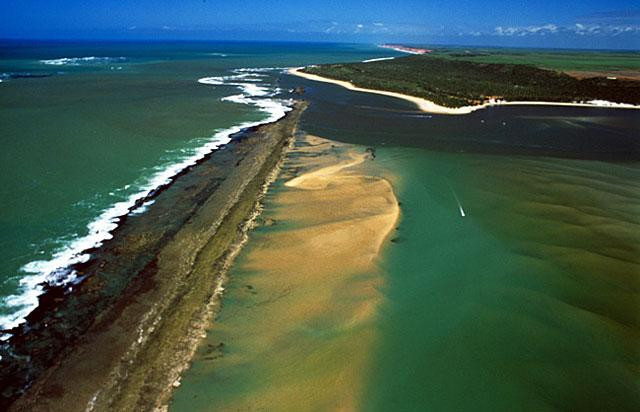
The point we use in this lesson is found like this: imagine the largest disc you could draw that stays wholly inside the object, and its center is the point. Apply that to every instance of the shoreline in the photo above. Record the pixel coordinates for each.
(139, 296)
(404, 49)
(428, 106)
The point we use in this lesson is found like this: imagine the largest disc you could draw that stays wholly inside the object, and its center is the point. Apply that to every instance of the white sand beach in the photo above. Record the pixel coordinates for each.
(431, 107)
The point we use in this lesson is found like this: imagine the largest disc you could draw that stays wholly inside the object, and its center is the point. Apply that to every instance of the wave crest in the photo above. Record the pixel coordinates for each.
(77, 61)
(56, 270)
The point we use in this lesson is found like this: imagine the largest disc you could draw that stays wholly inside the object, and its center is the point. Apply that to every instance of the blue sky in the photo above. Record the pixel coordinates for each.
(543, 23)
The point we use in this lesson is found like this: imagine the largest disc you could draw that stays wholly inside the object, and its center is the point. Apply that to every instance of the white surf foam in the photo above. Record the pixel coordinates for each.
(77, 61)
(606, 103)
(55, 270)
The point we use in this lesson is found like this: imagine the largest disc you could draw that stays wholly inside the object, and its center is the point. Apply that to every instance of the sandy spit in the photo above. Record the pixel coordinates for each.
(431, 107)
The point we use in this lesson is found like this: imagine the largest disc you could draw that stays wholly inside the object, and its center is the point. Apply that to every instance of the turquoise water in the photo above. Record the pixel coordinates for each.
(86, 128)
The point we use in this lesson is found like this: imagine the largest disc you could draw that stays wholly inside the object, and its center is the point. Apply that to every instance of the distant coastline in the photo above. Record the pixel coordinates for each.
(434, 108)
(405, 49)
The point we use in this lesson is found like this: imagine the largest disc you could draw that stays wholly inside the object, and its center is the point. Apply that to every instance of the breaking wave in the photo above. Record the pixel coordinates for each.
(254, 90)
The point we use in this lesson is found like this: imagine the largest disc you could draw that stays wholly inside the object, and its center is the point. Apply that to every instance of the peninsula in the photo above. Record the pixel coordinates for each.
(448, 86)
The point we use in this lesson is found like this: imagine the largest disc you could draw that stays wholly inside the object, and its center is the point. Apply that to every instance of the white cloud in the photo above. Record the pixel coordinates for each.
(525, 31)
(607, 30)
(579, 29)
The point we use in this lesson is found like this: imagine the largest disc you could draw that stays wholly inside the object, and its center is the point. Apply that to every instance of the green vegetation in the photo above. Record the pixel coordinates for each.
(612, 63)
(455, 82)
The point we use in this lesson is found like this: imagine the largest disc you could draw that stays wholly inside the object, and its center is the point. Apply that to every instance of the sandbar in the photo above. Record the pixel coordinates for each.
(299, 323)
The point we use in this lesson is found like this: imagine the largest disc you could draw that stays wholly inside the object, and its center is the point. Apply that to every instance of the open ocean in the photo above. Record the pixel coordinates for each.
(89, 128)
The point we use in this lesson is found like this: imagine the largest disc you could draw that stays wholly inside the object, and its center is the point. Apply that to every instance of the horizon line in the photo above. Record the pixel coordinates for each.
(178, 40)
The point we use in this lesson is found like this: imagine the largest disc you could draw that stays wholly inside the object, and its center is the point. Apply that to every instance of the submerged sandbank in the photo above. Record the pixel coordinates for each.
(428, 106)
(530, 302)
(299, 314)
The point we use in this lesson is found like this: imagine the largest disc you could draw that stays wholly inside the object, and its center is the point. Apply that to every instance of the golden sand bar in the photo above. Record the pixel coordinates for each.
(300, 331)
(431, 107)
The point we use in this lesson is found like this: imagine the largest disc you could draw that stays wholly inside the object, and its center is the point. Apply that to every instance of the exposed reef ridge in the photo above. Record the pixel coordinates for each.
(121, 338)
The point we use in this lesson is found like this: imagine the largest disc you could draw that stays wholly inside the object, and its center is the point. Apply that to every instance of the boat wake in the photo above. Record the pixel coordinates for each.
(460, 209)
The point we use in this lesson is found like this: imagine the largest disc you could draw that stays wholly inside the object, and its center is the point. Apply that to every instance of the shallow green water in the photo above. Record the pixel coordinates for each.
(512, 282)
(529, 302)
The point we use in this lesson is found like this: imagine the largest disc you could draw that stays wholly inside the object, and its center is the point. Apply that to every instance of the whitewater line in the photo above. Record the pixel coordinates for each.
(57, 270)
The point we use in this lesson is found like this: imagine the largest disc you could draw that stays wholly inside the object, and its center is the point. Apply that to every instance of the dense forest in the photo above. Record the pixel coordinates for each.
(456, 83)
